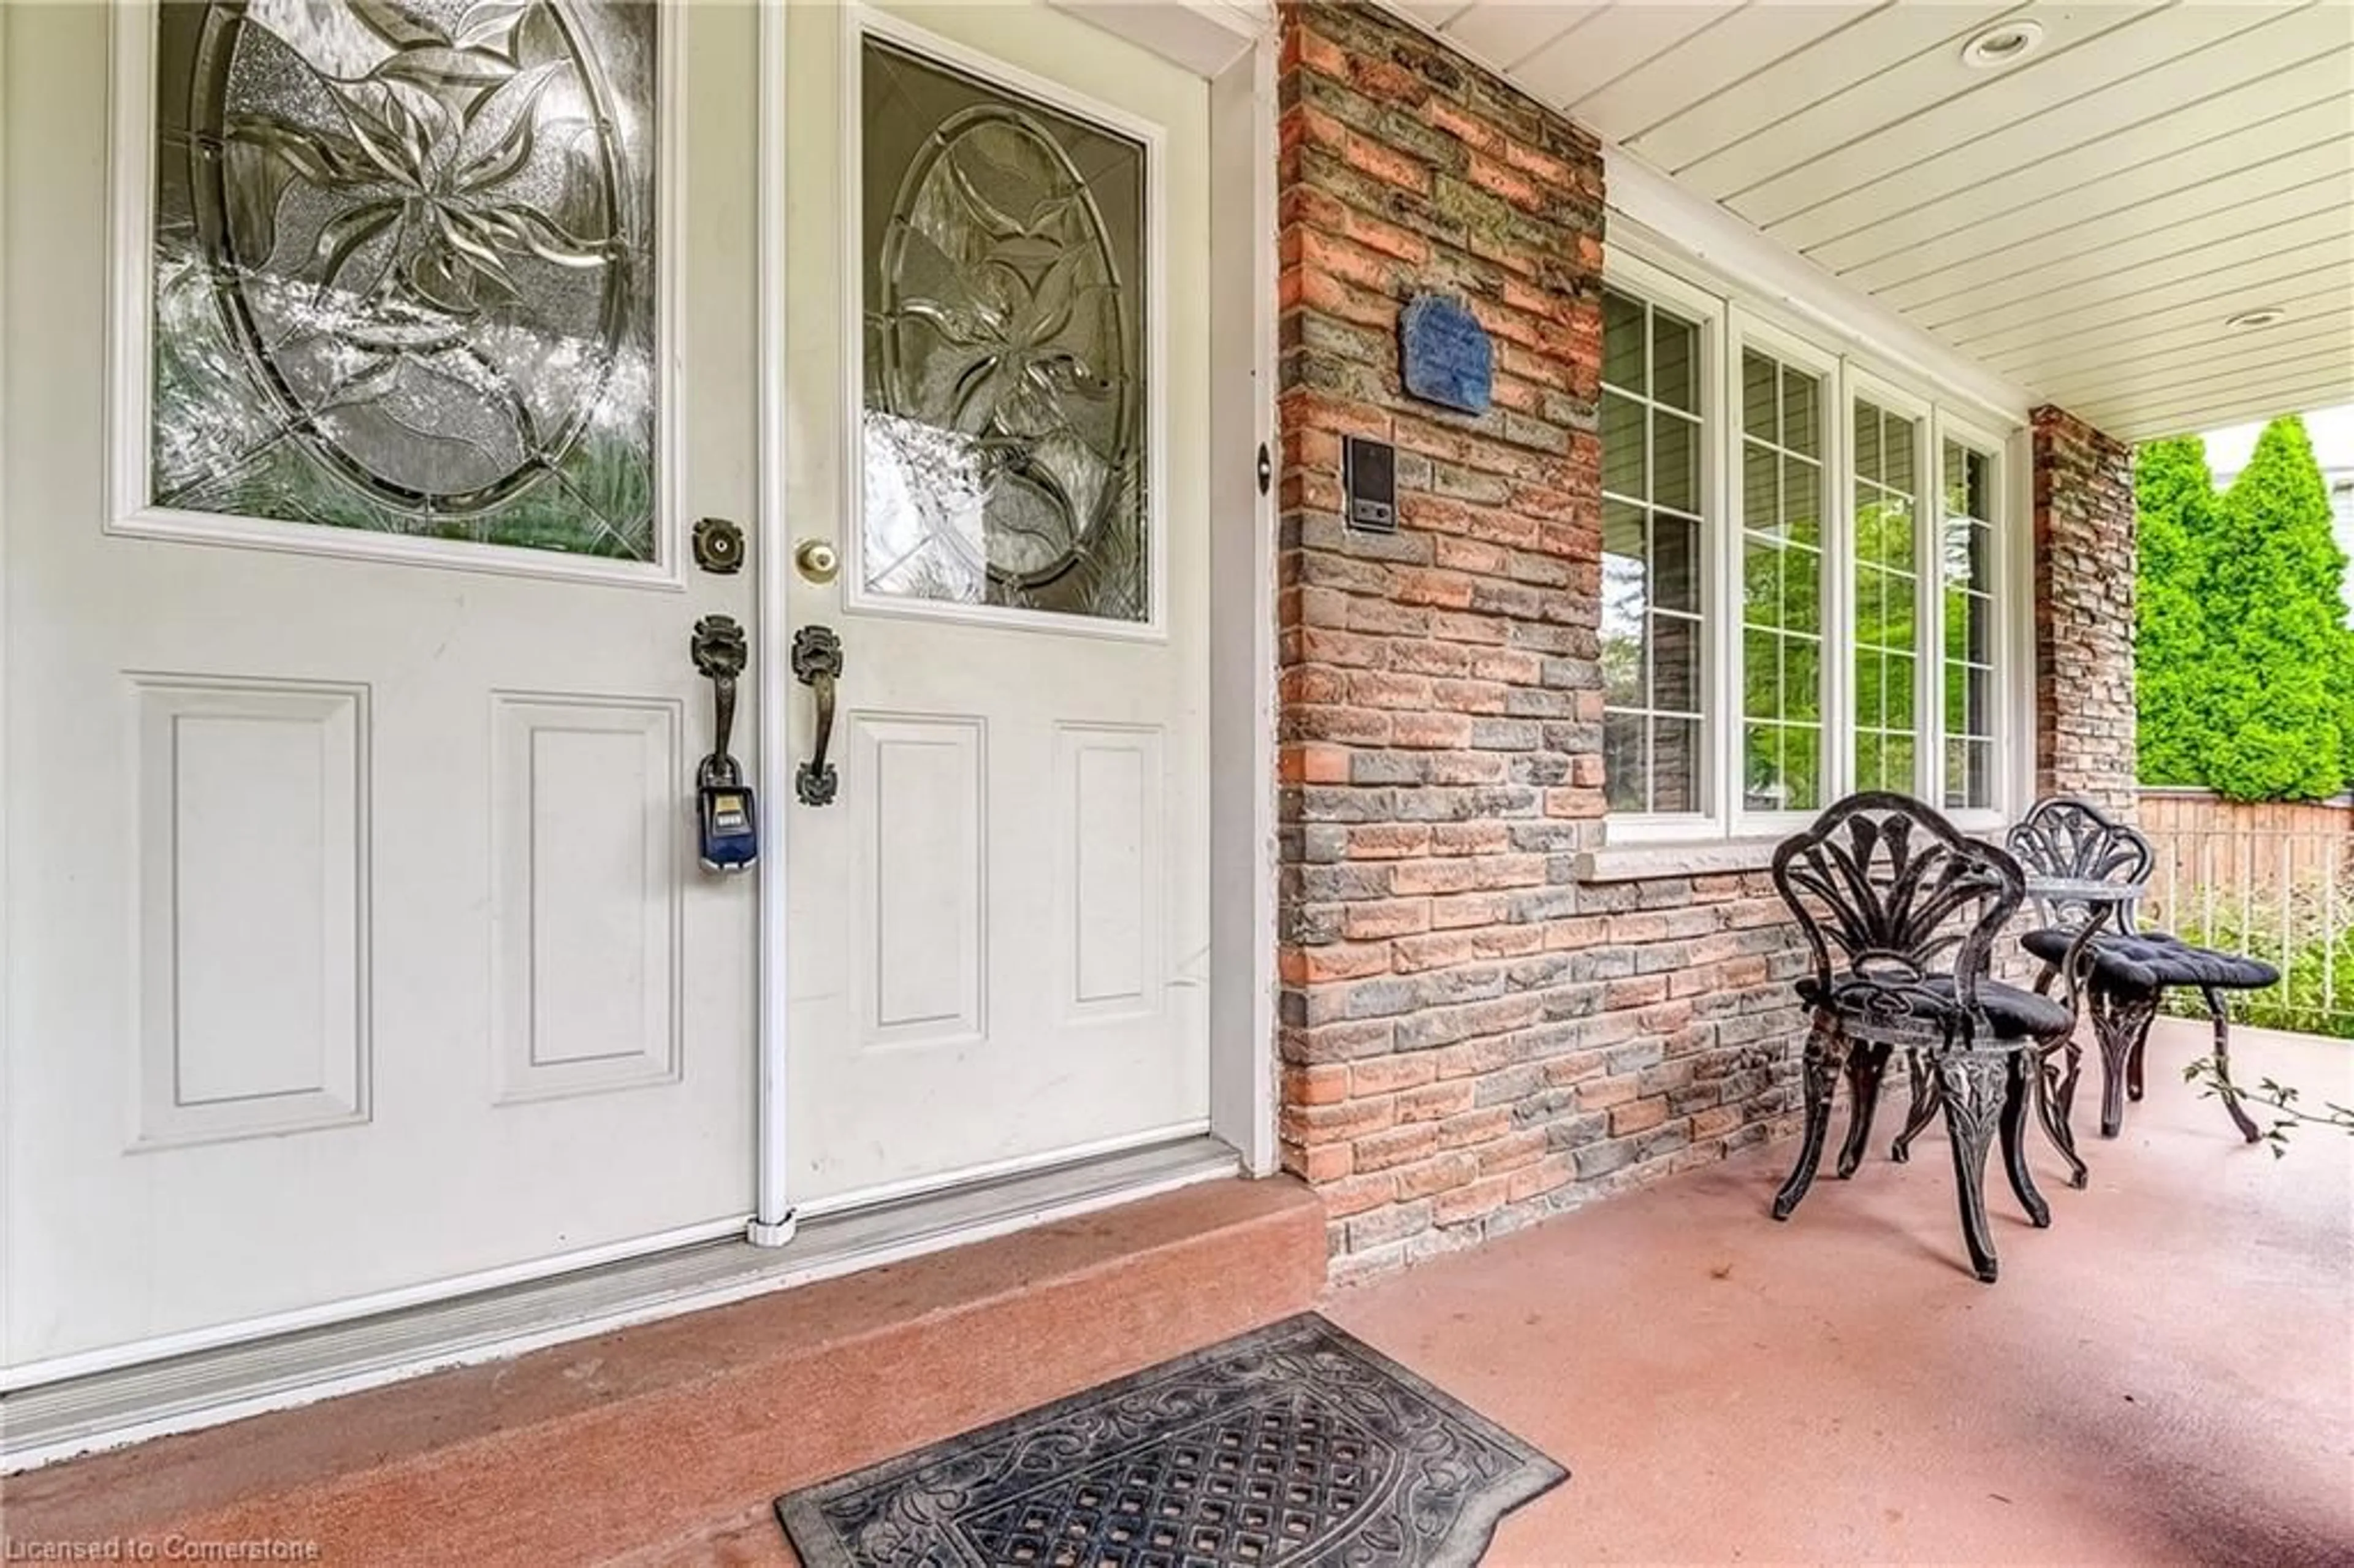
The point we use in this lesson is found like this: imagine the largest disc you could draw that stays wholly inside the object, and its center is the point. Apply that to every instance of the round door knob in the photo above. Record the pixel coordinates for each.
(816, 560)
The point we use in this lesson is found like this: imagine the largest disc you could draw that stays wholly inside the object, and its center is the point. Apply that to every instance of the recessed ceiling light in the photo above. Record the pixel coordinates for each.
(2261, 317)
(2005, 42)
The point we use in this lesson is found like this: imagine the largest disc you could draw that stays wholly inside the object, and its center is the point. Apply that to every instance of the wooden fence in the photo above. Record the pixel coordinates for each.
(2276, 882)
(2204, 840)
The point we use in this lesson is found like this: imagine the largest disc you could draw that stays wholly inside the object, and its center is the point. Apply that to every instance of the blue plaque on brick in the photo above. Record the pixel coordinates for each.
(1446, 356)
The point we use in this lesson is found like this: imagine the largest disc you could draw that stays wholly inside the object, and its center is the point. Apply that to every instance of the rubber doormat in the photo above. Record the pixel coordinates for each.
(1294, 1445)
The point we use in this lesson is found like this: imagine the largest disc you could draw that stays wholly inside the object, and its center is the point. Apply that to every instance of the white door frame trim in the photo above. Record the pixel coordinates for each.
(772, 1213)
(7, 1035)
(1243, 989)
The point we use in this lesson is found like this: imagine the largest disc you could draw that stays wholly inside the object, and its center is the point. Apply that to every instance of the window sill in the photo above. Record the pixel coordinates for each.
(1645, 859)
(1644, 863)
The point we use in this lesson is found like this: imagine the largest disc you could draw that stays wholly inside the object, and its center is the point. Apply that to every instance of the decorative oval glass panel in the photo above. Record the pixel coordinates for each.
(1003, 429)
(404, 279)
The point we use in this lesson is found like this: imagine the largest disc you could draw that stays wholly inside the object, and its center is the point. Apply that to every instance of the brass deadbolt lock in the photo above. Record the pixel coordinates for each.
(719, 547)
(816, 560)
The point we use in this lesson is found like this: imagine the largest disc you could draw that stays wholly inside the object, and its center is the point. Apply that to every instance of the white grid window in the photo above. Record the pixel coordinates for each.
(1781, 585)
(1651, 560)
(1808, 575)
(1966, 563)
(1887, 599)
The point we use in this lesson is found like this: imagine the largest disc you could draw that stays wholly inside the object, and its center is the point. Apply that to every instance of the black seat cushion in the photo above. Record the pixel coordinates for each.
(2015, 1014)
(2149, 959)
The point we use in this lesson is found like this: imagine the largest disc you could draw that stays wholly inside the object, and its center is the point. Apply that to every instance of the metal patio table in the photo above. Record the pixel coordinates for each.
(2067, 840)
(2092, 903)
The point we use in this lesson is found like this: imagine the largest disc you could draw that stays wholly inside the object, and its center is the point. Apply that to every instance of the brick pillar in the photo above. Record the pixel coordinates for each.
(2084, 526)
(1471, 1037)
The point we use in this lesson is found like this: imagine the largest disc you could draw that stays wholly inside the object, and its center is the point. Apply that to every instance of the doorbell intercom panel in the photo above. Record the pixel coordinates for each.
(1369, 481)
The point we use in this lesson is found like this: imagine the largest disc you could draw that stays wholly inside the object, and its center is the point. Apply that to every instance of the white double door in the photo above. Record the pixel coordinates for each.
(356, 948)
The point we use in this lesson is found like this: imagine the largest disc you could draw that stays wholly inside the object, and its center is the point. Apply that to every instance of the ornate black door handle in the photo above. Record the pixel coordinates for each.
(719, 651)
(816, 664)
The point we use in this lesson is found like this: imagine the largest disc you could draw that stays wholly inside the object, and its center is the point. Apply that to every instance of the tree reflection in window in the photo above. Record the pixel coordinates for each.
(1887, 599)
(1002, 442)
(1781, 583)
(1651, 526)
(1967, 565)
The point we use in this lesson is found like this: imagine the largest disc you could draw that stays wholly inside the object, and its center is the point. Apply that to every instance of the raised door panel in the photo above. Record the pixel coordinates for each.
(586, 904)
(1107, 794)
(252, 962)
(919, 791)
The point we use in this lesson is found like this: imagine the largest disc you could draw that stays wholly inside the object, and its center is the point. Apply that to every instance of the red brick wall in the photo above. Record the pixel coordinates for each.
(1472, 1037)
(2084, 545)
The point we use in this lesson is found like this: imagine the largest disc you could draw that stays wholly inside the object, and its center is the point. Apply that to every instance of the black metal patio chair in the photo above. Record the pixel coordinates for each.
(1901, 911)
(2131, 970)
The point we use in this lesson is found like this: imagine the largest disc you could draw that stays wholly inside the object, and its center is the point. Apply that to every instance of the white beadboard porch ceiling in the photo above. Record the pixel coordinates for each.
(2083, 221)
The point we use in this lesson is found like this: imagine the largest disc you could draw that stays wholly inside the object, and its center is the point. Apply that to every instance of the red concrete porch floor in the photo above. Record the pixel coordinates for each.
(2167, 1375)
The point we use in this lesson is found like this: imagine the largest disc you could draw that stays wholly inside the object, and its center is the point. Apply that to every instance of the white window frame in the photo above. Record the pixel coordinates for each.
(2007, 585)
(1862, 386)
(1731, 320)
(1660, 288)
(1751, 330)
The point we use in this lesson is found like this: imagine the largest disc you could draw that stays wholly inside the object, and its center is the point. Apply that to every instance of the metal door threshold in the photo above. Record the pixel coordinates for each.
(101, 1410)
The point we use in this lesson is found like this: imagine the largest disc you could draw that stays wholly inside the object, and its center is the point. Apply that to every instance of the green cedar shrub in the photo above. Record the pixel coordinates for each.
(2174, 493)
(2245, 666)
(2279, 654)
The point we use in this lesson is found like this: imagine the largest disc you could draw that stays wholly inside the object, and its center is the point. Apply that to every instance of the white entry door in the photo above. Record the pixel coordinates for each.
(998, 324)
(356, 943)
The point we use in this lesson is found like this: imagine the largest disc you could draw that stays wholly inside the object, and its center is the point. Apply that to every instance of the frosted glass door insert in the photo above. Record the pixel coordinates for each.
(403, 269)
(1004, 437)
